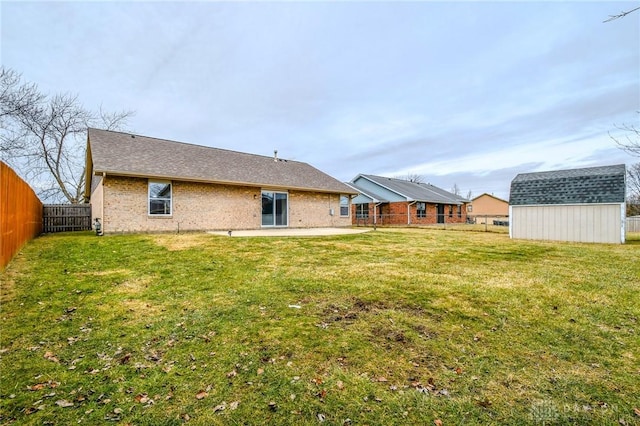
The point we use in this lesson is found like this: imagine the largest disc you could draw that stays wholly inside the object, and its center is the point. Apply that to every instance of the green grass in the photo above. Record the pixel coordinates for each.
(396, 326)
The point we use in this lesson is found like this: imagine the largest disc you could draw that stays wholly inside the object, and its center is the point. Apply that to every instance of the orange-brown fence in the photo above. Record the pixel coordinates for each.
(20, 214)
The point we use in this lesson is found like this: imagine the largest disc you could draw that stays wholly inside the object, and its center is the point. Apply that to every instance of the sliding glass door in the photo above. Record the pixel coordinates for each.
(274, 208)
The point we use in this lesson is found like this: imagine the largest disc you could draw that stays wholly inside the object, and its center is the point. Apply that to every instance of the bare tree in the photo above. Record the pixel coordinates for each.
(455, 189)
(633, 185)
(620, 15)
(16, 98)
(411, 177)
(631, 144)
(469, 195)
(45, 139)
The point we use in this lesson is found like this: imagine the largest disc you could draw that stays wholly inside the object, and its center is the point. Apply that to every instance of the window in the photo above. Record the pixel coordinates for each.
(459, 211)
(362, 211)
(421, 209)
(344, 205)
(450, 211)
(274, 208)
(469, 208)
(159, 198)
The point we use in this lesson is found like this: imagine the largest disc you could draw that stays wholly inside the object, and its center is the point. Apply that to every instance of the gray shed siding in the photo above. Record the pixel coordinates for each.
(585, 223)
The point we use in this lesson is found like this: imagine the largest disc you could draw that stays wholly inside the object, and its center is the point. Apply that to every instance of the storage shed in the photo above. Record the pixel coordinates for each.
(581, 205)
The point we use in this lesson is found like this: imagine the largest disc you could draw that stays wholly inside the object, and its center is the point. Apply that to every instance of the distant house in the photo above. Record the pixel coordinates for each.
(487, 208)
(142, 184)
(582, 205)
(389, 201)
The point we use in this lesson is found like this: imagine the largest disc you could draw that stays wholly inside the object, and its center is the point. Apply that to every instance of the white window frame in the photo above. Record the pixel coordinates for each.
(170, 198)
(348, 206)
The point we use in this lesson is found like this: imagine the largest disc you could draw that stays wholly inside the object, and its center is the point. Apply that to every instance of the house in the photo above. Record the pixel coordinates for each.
(389, 201)
(582, 205)
(487, 208)
(142, 184)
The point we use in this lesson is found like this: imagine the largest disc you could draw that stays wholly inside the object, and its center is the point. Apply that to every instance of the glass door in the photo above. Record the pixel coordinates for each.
(274, 208)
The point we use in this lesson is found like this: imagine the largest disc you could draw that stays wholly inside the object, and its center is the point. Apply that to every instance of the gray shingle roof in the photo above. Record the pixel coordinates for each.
(593, 185)
(413, 191)
(124, 154)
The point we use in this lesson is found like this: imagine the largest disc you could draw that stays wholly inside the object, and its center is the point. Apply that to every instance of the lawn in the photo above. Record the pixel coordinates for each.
(395, 326)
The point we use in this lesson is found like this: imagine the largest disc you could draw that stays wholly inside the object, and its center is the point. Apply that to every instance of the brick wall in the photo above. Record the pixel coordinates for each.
(201, 206)
(396, 214)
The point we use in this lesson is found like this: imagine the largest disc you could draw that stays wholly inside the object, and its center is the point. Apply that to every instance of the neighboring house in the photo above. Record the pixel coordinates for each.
(142, 184)
(389, 201)
(487, 208)
(582, 205)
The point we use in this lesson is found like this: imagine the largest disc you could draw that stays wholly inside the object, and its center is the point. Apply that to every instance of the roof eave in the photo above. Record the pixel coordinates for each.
(220, 182)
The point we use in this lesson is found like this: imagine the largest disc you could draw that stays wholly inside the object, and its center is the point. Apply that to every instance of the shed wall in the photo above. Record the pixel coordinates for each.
(593, 223)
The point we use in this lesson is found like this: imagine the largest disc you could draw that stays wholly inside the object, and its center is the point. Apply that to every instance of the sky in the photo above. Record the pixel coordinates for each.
(461, 93)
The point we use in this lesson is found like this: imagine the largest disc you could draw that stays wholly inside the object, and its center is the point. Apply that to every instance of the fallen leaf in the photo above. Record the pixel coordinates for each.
(234, 405)
(637, 411)
(437, 422)
(233, 373)
(321, 417)
(382, 379)
(51, 357)
(339, 384)
(220, 407)
(201, 395)
(458, 370)
(142, 398)
(64, 403)
(36, 387)
(260, 371)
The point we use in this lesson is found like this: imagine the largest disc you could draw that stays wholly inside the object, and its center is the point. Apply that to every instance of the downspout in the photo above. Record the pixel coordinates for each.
(104, 178)
(409, 211)
(375, 213)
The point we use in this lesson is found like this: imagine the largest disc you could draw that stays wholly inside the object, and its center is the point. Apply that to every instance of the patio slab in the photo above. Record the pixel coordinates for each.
(291, 232)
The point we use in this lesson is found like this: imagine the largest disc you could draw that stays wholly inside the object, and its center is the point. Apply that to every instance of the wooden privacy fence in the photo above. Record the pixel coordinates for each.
(66, 217)
(633, 224)
(20, 214)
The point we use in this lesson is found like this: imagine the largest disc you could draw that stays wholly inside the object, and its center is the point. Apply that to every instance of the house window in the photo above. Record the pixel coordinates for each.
(459, 211)
(274, 208)
(160, 198)
(450, 211)
(421, 209)
(469, 208)
(344, 205)
(362, 211)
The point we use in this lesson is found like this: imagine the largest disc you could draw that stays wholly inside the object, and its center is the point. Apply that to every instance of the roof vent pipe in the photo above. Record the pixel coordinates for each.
(275, 155)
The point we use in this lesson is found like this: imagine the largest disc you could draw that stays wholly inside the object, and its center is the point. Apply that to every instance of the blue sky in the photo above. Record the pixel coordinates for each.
(466, 93)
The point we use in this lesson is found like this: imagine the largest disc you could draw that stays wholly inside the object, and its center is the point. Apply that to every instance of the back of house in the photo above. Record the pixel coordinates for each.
(143, 184)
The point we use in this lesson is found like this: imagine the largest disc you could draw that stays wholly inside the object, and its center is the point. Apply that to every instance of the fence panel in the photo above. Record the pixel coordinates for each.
(66, 217)
(493, 223)
(20, 214)
(633, 224)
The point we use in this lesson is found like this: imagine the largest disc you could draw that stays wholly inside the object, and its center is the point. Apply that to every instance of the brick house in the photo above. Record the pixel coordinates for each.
(389, 201)
(487, 208)
(142, 184)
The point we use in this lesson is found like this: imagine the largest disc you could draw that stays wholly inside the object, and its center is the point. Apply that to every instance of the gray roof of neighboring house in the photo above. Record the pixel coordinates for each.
(593, 185)
(412, 191)
(125, 154)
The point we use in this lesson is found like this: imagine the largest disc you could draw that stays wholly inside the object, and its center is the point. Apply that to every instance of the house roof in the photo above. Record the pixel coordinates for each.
(124, 154)
(593, 185)
(489, 195)
(411, 191)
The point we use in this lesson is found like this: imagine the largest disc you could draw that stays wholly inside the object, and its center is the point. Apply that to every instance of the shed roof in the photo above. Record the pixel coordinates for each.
(126, 154)
(412, 191)
(592, 185)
